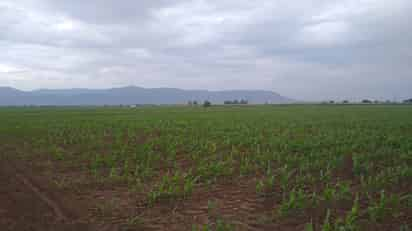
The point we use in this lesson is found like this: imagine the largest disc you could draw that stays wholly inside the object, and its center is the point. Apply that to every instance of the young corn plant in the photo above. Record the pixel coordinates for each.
(58, 153)
(343, 191)
(349, 223)
(339, 192)
(295, 202)
(114, 173)
(172, 187)
(246, 166)
(216, 222)
(210, 171)
(325, 175)
(168, 188)
(385, 207)
(329, 193)
(266, 186)
(327, 225)
(284, 178)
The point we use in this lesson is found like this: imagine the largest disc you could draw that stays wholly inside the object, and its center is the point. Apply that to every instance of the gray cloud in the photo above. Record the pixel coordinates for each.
(312, 49)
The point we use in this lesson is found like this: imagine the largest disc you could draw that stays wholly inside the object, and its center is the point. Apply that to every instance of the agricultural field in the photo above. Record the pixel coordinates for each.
(291, 167)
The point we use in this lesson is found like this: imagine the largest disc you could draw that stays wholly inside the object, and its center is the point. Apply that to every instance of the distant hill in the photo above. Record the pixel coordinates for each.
(132, 95)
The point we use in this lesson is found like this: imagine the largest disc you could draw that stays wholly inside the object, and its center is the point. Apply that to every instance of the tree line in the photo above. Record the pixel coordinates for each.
(242, 101)
(207, 103)
(368, 101)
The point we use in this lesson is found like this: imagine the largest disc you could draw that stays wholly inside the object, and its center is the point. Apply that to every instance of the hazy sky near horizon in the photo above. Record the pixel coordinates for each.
(306, 49)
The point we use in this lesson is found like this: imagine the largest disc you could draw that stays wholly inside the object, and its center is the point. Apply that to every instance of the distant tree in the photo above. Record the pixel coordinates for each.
(376, 101)
(331, 102)
(366, 101)
(207, 103)
(408, 101)
(195, 103)
(345, 102)
(243, 101)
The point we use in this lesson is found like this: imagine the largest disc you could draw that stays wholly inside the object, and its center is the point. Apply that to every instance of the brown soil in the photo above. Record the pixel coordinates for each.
(27, 203)
(29, 200)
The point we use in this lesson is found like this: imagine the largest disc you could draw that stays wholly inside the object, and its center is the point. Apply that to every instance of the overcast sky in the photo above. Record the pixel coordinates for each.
(304, 49)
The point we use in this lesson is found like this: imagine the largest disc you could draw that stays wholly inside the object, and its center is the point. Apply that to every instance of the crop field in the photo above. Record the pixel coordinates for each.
(292, 167)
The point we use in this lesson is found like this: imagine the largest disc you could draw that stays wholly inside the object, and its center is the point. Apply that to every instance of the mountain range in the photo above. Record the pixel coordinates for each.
(131, 95)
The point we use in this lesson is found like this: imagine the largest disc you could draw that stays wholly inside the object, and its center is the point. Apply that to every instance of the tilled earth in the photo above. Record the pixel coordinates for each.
(26, 204)
(29, 201)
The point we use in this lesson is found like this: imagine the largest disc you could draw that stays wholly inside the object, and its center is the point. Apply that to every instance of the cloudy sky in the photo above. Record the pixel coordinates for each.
(304, 49)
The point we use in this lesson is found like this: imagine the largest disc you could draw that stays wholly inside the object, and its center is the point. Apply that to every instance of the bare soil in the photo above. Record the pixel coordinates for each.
(28, 203)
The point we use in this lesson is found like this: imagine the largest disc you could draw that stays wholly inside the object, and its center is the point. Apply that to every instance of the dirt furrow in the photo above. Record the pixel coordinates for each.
(27, 205)
(58, 212)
